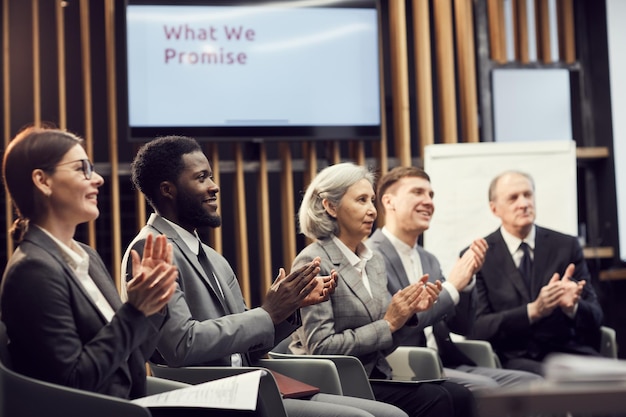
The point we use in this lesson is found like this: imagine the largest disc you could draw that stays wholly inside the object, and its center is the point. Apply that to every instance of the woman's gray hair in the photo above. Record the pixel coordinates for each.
(331, 184)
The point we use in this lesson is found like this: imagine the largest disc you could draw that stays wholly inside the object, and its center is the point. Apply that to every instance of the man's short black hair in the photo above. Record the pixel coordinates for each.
(160, 160)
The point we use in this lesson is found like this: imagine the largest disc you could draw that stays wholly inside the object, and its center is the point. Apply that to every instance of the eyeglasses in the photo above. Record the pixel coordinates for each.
(87, 167)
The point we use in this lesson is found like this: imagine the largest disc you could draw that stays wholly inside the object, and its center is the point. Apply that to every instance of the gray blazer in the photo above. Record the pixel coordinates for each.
(58, 334)
(351, 322)
(459, 318)
(201, 330)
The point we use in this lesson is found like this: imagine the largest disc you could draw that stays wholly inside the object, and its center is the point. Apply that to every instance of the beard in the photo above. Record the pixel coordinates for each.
(194, 213)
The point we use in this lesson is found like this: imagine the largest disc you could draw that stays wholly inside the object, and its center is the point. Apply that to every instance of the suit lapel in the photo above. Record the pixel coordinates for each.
(351, 277)
(102, 280)
(96, 271)
(158, 223)
(540, 261)
(397, 271)
(506, 267)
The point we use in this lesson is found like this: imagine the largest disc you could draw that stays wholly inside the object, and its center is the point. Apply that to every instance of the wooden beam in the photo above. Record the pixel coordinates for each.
(567, 38)
(466, 70)
(111, 71)
(85, 49)
(6, 114)
(241, 226)
(521, 32)
(445, 71)
(497, 38)
(263, 219)
(400, 81)
(287, 206)
(423, 74)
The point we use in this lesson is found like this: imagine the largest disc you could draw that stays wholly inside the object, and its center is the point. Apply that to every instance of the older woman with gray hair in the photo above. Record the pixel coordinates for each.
(362, 319)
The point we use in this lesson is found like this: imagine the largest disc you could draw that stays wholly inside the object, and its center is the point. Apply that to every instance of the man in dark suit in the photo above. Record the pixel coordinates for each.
(526, 308)
(209, 323)
(405, 196)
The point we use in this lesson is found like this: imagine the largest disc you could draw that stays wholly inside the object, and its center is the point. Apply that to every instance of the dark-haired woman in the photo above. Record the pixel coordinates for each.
(64, 318)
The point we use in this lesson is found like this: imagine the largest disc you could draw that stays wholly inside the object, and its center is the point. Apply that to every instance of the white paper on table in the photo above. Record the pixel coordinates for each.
(238, 392)
(576, 368)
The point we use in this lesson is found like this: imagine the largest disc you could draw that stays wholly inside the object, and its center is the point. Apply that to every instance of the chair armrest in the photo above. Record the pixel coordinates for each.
(480, 351)
(411, 363)
(608, 344)
(156, 385)
(320, 373)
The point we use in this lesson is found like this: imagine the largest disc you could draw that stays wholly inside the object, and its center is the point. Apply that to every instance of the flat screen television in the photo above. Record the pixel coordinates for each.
(234, 70)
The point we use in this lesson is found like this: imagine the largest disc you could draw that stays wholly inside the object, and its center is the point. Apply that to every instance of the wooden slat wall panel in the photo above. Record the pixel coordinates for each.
(466, 70)
(521, 32)
(264, 241)
(116, 224)
(36, 65)
(445, 71)
(567, 40)
(400, 81)
(87, 95)
(287, 206)
(241, 225)
(423, 74)
(543, 31)
(213, 154)
(495, 9)
(60, 20)
(6, 115)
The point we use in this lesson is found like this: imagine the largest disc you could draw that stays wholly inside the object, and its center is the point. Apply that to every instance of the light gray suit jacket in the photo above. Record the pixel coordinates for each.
(201, 330)
(351, 322)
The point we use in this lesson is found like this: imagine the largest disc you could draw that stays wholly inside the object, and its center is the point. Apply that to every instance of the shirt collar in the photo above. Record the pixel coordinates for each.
(401, 247)
(192, 240)
(363, 252)
(74, 255)
(513, 242)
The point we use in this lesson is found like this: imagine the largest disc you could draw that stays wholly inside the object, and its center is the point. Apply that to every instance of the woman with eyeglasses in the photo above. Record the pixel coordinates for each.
(65, 320)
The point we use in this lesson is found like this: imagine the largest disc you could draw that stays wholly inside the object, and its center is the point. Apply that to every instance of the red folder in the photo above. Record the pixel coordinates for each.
(292, 388)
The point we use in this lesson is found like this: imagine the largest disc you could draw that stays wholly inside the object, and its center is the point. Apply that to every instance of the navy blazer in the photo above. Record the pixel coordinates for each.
(57, 333)
(502, 315)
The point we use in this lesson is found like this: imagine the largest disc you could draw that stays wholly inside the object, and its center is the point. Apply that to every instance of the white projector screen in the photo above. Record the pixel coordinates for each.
(460, 175)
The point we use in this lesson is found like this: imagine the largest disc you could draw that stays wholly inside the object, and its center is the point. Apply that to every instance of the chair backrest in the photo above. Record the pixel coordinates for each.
(270, 402)
(24, 396)
(352, 375)
(322, 374)
(411, 363)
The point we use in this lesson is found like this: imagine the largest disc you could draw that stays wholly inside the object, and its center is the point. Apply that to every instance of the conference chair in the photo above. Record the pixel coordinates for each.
(481, 352)
(24, 396)
(408, 363)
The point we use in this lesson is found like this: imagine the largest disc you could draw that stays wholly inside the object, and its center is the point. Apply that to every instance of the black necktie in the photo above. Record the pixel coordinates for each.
(526, 264)
(208, 269)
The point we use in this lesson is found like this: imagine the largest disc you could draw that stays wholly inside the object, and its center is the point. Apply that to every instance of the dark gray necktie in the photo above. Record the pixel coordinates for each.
(526, 264)
(208, 270)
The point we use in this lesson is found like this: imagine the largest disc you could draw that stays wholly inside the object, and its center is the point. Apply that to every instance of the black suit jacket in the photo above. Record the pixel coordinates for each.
(57, 333)
(501, 316)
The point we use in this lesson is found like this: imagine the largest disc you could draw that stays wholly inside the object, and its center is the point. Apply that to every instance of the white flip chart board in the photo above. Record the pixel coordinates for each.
(460, 175)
